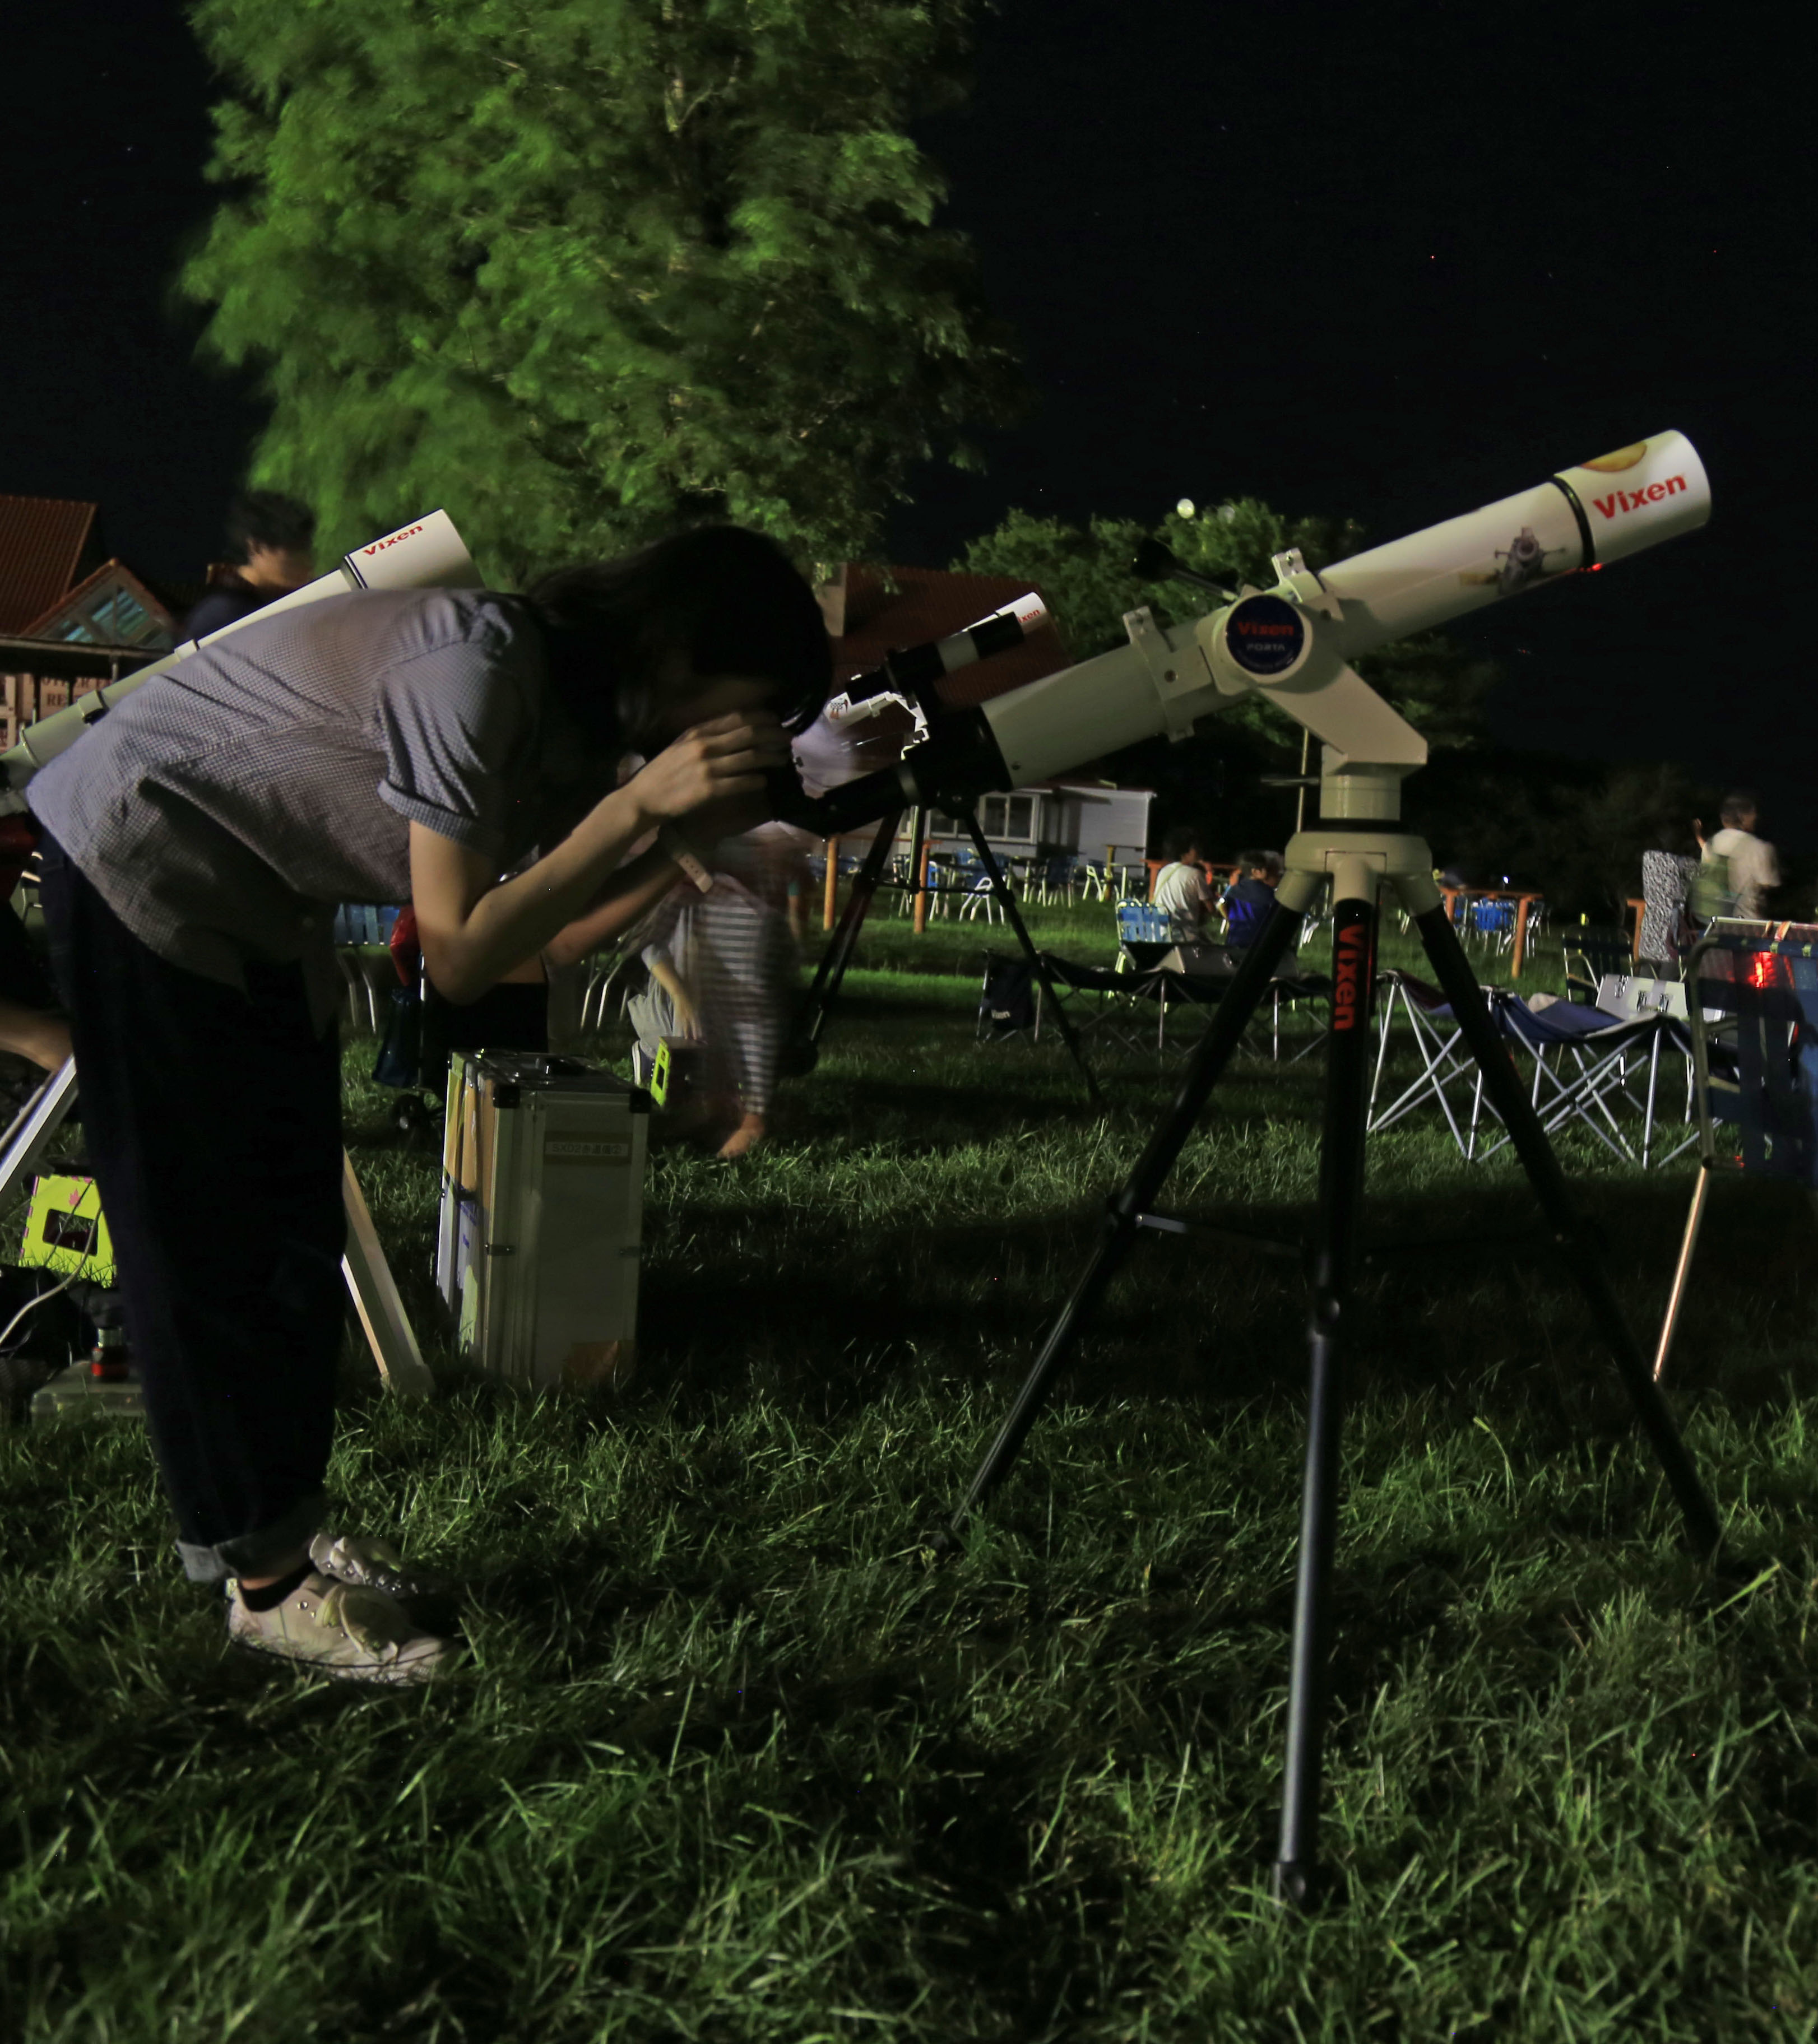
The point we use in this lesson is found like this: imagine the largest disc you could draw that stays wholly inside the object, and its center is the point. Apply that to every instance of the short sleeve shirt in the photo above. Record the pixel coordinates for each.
(1754, 869)
(1182, 894)
(222, 809)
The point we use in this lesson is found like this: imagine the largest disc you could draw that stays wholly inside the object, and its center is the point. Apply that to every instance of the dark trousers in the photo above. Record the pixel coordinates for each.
(211, 1118)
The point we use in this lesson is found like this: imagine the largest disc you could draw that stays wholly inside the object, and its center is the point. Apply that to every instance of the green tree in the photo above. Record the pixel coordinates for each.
(582, 269)
(1085, 575)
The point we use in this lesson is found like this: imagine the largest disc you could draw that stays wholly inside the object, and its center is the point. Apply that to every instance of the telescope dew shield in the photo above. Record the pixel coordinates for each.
(1603, 511)
(426, 554)
(1639, 496)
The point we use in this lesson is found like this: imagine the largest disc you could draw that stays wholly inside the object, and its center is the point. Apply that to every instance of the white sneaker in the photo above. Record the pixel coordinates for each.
(340, 1628)
(375, 1565)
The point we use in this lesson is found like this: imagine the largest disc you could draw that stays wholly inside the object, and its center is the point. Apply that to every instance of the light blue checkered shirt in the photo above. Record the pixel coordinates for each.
(222, 809)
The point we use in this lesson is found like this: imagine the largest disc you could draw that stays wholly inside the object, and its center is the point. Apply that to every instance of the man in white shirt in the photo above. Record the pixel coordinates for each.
(1736, 862)
(1180, 891)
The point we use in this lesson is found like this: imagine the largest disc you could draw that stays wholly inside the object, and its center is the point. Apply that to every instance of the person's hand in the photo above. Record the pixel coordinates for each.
(725, 757)
(1698, 831)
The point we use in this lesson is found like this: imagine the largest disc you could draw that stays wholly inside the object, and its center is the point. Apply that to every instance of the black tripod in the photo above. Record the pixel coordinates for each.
(817, 1002)
(1356, 862)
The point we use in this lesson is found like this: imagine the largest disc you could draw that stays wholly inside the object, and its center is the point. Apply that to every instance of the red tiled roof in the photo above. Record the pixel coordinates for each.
(114, 571)
(42, 539)
(931, 603)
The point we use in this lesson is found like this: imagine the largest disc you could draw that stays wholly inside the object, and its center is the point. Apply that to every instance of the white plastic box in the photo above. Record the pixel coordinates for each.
(541, 1221)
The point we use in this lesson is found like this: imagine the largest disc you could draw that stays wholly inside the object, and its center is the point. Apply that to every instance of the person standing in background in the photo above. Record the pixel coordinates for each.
(271, 540)
(1738, 869)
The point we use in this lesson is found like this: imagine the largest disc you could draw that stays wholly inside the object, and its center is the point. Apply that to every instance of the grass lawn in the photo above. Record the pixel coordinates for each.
(733, 1761)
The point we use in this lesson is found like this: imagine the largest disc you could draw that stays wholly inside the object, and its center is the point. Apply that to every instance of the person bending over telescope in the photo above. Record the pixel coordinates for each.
(387, 745)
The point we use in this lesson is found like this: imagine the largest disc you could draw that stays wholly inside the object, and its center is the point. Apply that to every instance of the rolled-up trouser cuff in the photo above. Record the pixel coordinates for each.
(251, 1553)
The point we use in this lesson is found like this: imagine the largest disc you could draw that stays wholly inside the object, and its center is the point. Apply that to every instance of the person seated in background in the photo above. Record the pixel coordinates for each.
(1180, 891)
(1249, 898)
(271, 540)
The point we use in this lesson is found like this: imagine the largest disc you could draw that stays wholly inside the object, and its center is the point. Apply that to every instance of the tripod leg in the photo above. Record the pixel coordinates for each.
(1335, 1244)
(1007, 902)
(817, 1003)
(35, 1127)
(1210, 1056)
(1453, 971)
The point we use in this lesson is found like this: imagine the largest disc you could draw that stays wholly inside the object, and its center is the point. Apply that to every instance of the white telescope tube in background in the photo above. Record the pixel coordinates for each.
(426, 554)
(1165, 680)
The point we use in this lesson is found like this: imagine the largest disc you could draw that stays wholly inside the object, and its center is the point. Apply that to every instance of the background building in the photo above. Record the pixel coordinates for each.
(70, 619)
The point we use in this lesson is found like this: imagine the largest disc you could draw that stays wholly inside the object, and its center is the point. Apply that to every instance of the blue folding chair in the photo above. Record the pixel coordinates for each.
(1144, 937)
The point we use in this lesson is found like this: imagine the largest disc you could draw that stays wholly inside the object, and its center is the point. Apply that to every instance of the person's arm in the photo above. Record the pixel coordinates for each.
(631, 892)
(687, 1015)
(473, 930)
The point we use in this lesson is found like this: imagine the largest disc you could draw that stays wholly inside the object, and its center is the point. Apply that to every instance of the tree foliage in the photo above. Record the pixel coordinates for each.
(1574, 828)
(582, 269)
(1085, 575)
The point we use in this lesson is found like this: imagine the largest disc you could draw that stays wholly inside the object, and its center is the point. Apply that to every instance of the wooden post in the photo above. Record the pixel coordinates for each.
(828, 903)
(921, 924)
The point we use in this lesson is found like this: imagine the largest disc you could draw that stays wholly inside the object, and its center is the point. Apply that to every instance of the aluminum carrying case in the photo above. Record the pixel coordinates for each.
(541, 1218)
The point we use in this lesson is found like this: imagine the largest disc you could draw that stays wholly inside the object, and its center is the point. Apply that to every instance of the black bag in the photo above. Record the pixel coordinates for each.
(1007, 1000)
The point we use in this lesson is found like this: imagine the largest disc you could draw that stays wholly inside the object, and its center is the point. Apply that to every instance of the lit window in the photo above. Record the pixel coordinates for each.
(1008, 816)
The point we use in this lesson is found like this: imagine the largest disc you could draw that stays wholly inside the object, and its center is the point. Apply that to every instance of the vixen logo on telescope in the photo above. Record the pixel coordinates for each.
(1632, 499)
(379, 546)
(1351, 962)
(1264, 636)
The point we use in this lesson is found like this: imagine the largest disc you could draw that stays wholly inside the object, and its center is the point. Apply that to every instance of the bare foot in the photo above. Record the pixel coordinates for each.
(749, 1132)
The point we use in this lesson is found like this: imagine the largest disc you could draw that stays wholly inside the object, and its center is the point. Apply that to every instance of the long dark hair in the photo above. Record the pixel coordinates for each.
(729, 600)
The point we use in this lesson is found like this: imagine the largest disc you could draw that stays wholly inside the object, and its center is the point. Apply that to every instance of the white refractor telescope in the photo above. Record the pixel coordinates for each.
(426, 554)
(1293, 644)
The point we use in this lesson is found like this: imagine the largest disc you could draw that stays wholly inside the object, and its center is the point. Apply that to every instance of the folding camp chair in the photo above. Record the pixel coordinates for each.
(362, 934)
(1437, 1041)
(1590, 953)
(1595, 1069)
(1493, 923)
(1102, 1002)
(1753, 1011)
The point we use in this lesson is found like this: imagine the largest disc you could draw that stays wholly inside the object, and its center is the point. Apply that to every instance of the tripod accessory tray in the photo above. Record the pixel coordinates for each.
(541, 1219)
(66, 1231)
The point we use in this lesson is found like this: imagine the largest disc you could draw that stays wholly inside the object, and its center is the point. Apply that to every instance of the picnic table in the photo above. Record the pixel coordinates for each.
(1523, 897)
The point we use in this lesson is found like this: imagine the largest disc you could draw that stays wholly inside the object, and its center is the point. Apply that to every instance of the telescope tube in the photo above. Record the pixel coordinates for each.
(426, 554)
(1602, 511)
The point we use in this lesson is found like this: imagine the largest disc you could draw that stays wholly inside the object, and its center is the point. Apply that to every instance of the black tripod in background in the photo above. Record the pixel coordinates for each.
(824, 990)
(1356, 860)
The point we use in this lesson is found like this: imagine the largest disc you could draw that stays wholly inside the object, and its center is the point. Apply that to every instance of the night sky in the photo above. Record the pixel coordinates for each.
(1376, 261)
